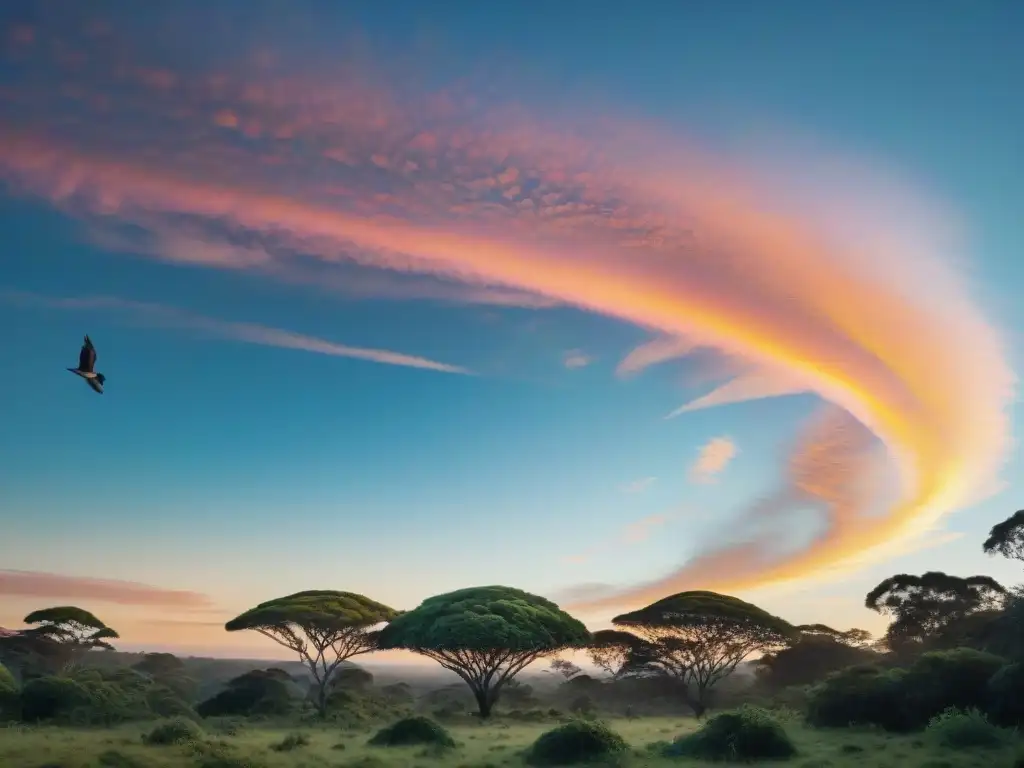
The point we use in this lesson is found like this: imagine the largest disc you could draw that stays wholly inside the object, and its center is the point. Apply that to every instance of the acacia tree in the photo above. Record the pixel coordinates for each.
(612, 650)
(60, 636)
(485, 635)
(698, 638)
(926, 607)
(324, 627)
(1007, 538)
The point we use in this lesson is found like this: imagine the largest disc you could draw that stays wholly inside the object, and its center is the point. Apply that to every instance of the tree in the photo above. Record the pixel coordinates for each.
(563, 667)
(698, 638)
(63, 635)
(257, 692)
(924, 607)
(611, 650)
(323, 627)
(1007, 538)
(814, 652)
(485, 635)
(167, 670)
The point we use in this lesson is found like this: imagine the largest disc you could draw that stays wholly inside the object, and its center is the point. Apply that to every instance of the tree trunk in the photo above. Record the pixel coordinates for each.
(321, 699)
(484, 702)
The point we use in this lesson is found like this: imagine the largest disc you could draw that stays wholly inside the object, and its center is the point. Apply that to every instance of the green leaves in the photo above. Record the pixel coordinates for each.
(484, 619)
(317, 610)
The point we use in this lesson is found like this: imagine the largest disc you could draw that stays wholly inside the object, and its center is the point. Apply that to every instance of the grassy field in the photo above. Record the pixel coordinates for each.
(495, 744)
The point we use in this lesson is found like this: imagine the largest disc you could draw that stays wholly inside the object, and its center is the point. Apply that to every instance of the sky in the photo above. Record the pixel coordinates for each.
(605, 303)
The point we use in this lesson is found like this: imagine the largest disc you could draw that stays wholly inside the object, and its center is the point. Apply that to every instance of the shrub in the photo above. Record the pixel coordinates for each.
(46, 698)
(578, 741)
(290, 742)
(112, 758)
(970, 729)
(861, 695)
(174, 731)
(413, 730)
(1006, 695)
(749, 733)
(942, 679)
(8, 695)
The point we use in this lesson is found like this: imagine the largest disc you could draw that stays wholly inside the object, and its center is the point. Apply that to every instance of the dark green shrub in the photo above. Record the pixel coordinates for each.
(747, 734)
(578, 741)
(174, 731)
(939, 680)
(259, 692)
(959, 729)
(861, 695)
(1006, 695)
(413, 731)
(47, 698)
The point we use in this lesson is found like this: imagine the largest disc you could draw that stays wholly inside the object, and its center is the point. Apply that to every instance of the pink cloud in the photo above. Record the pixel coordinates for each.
(53, 586)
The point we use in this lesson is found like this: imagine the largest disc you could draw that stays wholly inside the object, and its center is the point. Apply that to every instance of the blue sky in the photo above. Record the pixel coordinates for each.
(240, 470)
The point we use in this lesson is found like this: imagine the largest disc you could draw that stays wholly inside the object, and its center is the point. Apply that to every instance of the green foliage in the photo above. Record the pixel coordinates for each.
(747, 734)
(925, 607)
(484, 619)
(259, 692)
(291, 742)
(860, 695)
(578, 741)
(177, 730)
(487, 635)
(8, 695)
(70, 626)
(697, 639)
(942, 679)
(411, 731)
(966, 729)
(48, 698)
(1006, 695)
(324, 627)
(807, 660)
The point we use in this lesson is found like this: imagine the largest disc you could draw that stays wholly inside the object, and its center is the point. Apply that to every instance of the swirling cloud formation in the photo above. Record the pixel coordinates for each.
(810, 277)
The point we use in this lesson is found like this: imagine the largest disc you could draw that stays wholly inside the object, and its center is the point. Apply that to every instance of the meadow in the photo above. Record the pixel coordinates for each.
(492, 744)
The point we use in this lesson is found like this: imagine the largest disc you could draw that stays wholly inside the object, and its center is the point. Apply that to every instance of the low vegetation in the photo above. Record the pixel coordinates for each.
(677, 683)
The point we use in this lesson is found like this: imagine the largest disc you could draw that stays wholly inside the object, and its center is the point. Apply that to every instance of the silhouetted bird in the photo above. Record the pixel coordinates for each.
(86, 364)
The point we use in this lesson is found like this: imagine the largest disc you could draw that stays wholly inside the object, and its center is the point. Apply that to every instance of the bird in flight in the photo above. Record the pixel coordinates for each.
(86, 365)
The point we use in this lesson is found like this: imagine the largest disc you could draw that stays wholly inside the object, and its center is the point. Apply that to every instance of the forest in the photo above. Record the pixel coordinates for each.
(693, 678)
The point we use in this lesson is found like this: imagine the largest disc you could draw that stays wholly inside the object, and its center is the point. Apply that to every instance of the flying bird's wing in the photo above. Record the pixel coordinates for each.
(87, 358)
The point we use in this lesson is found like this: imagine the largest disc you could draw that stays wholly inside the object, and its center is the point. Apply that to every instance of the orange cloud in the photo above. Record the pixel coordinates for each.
(247, 332)
(712, 459)
(60, 587)
(839, 284)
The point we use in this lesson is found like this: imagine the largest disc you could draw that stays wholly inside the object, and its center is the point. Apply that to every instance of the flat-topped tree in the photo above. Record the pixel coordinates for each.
(324, 627)
(71, 630)
(698, 638)
(485, 635)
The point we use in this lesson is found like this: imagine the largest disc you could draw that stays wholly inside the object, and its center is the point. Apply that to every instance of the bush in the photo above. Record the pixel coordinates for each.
(413, 730)
(47, 698)
(942, 679)
(1006, 695)
(290, 742)
(749, 733)
(173, 731)
(579, 741)
(970, 729)
(861, 695)
(259, 692)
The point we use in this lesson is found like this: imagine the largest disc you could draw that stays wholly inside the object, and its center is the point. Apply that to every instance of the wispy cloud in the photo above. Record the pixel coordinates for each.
(62, 587)
(650, 353)
(252, 333)
(576, 358)
(770, 258)
(712, 459)
(639, 486)
(631, 534)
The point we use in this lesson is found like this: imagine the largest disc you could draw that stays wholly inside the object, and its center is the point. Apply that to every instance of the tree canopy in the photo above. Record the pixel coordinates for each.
(485, 635)
(698, 638)
(57, 637)
(811, 654)
(1007, 538)
(324, 627)
(927, 606)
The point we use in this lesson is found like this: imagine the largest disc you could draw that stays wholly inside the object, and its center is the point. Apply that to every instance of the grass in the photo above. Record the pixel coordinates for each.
(499, 744)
